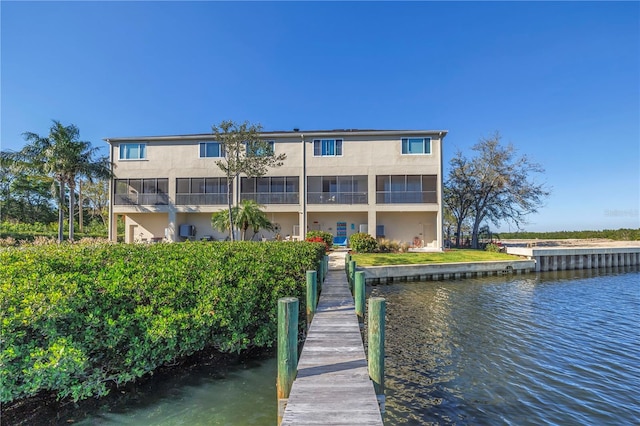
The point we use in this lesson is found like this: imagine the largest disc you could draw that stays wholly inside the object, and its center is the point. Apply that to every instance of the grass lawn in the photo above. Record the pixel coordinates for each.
(449, 256)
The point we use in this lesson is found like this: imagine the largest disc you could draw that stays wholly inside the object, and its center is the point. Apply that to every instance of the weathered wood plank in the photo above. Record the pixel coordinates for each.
(332, 386)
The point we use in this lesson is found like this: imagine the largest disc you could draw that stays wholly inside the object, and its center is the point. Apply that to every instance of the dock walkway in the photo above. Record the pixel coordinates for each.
(332, 386)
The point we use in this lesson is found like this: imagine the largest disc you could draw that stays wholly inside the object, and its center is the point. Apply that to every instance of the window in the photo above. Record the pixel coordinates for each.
(133, 151)
(406, 189)
(337, 189)
(416, 145)
(263, 149)
(211, 149)
(141, 191)
(327, 147)
(271, 190)
(201, 191)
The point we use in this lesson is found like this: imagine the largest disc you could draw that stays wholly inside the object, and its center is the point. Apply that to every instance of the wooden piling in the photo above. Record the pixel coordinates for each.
(377, 311)
(312, 295)
(360, 295)
(287, 350)
(351, 274)
(320, 270)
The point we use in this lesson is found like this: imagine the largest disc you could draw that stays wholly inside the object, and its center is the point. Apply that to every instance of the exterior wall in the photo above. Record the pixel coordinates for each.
(328, 221)
(364, 153)
(144, 227)
(406, 227)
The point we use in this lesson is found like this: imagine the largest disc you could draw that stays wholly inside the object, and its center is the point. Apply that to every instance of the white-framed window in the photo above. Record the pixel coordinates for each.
(211, 149)
(327, 147)
(266, 148)
(416, 145)
(133, 151)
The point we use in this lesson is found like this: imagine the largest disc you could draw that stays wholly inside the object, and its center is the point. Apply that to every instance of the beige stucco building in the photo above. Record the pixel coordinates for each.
(386, 183)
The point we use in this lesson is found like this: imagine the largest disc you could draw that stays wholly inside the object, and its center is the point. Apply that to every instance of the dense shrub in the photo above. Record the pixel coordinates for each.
(362, 242)
(327, 237)
(77, 317)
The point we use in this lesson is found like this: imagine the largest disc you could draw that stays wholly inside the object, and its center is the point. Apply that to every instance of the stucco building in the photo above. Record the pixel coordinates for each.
(384, 182)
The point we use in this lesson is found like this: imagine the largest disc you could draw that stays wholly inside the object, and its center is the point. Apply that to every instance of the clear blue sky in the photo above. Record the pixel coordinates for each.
(561, 81)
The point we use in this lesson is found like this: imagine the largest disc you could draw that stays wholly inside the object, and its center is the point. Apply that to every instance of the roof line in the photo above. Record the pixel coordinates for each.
(304, 133)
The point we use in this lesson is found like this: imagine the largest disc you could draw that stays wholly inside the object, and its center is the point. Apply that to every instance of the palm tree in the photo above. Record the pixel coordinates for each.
(220, 219)
(248, 215)
(63, 158)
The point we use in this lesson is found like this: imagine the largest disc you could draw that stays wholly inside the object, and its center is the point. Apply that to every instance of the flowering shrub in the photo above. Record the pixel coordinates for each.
(318, 239)
(327, 237)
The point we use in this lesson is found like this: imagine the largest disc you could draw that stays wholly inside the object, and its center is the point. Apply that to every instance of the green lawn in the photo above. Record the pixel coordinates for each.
(450, 256)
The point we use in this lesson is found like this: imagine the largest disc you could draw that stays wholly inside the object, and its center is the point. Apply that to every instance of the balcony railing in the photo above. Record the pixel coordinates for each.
(272, 197)
(141, 199)
(337, 198)
(201, 199)
(406, 197)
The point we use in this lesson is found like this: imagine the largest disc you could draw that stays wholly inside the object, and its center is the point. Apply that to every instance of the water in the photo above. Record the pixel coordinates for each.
(238, 394)
(557, 348)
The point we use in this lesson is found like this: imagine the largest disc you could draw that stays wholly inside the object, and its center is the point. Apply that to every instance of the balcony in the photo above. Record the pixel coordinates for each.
(271, 197)
(406, 197)
(201, 199)
(140, 199)
(337, 198)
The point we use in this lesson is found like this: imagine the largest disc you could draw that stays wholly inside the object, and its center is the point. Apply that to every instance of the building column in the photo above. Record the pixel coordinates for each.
(171, 233)
(372, 221)
(372, 199)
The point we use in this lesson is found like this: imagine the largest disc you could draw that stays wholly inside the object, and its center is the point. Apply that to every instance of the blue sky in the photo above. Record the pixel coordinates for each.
(560, 80)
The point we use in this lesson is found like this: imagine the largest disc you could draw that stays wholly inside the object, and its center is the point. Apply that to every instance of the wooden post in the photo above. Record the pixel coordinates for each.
(312, 296)
(347, 258)
(360, 295)
(326, 266)
(320, 270)
(377, 311)
(352, 273)
(287, 350)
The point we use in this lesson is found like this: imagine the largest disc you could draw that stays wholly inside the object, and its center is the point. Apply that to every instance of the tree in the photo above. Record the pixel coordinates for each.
(220, 219)
(248, 215)
(25, 197)
(458, 191)
(62, 157)
(96, 195)
(244, 153)
(499, 184)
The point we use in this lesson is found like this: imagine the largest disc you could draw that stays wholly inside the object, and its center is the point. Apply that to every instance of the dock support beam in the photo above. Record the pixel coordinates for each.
(287, 350)
(377, 311)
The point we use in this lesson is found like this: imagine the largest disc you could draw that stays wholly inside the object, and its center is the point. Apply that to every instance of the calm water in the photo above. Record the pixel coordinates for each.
(240, 394)
(552, 348)
(558, 348)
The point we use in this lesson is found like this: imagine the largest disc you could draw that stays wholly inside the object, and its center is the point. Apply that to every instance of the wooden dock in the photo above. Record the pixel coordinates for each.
(332, 386)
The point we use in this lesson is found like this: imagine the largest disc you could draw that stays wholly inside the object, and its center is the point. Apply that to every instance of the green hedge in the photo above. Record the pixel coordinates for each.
(77, 318)
(362, 242)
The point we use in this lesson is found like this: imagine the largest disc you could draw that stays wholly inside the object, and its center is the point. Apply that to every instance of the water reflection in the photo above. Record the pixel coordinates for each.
(240, 394)
(552, 348)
